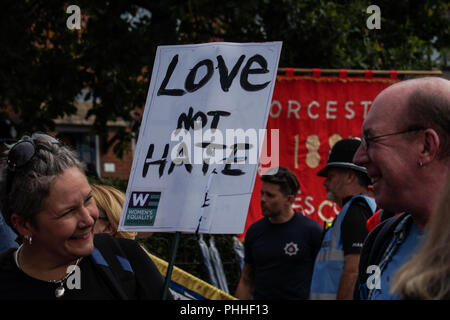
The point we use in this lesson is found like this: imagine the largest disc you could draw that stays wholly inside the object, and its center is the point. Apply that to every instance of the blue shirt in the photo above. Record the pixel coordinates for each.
(7, 236)
(400, 257)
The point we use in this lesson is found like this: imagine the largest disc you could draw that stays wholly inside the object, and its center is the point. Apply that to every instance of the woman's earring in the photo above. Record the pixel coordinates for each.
(29, 239)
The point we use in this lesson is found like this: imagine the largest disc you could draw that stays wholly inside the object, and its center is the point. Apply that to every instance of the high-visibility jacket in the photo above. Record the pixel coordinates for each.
(330, 259)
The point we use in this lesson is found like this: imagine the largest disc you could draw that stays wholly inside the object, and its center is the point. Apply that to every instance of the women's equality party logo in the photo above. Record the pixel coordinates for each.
(142, 208)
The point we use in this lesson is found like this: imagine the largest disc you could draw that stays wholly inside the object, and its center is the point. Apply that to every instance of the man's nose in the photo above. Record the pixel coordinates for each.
(361, 157)
(263, 198)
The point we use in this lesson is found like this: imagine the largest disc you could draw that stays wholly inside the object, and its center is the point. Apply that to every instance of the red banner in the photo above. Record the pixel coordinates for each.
(312, 114)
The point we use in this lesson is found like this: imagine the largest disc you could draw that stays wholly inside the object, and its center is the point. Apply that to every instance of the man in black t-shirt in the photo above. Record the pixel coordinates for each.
(347, 184)
(281, 247)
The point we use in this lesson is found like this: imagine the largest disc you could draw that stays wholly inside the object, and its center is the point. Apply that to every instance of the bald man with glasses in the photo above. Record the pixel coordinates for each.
(406, 151)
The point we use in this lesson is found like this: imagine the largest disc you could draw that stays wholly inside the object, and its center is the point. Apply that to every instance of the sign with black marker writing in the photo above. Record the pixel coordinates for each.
(201, 138)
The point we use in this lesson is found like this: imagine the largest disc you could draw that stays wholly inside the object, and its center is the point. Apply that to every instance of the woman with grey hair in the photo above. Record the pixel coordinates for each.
(46, 198)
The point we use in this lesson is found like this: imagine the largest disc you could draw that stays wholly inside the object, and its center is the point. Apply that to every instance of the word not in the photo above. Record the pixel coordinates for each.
(73, 21)
(315, 111)
(373, 281)
(226, 78)
(188, 120)
(374, 21)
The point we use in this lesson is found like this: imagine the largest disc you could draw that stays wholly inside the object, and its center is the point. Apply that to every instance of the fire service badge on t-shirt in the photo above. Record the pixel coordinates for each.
(291, 248)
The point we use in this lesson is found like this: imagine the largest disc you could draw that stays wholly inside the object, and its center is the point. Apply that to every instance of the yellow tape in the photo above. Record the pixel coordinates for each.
(189, 281)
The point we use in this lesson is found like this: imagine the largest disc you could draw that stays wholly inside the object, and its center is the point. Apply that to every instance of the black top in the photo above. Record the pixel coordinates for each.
(353, 228)
(123, 264)
(282, 257)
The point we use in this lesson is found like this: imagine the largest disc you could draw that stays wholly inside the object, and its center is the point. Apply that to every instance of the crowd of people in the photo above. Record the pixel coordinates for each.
(390, 239)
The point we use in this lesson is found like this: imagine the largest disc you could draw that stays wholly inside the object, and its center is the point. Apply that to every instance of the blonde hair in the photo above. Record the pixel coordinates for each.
(427, 274)
(111, 200)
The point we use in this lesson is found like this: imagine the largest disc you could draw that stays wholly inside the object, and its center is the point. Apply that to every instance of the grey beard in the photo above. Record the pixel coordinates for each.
(331, 196)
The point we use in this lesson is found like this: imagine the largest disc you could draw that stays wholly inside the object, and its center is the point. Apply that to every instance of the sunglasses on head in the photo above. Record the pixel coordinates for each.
(22, 153)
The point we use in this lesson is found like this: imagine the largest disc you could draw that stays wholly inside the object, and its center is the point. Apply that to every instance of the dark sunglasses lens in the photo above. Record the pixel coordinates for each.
(20, 154)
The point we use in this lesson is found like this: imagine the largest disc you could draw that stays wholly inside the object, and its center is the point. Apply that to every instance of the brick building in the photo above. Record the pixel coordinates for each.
(93, 149)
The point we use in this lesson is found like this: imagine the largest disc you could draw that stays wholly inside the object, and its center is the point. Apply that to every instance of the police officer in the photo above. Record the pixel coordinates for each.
(336, 265)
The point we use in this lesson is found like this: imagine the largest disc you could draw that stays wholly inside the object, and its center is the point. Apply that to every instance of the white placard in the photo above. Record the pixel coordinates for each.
(200, 139)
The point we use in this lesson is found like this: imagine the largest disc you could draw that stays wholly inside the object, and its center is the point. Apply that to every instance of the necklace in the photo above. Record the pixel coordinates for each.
(59, 292)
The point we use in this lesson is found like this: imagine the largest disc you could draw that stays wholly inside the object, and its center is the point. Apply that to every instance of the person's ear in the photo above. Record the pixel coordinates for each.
(430, 147)
(110, 229)
(22, 225)
(290, 198)
(350, 176)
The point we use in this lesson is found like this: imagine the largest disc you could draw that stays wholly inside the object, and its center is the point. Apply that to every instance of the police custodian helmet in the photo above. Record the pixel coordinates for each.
(341, 156)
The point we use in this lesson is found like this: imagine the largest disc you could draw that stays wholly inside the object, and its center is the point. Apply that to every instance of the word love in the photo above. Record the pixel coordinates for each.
(256, 64)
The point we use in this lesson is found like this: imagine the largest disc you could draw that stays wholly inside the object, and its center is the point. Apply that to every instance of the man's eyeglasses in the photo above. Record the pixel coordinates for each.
(22, 153)
(365, 141)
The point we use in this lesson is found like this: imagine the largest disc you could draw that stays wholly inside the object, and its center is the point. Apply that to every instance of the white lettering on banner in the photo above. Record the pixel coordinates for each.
(351, 113)
(315, 104)
(293, 110)
(307, 207)
(330, 109)
(278, 105)
(315, 111)
(366, 105)
(320, 211)
(310, 210)
(297, 204)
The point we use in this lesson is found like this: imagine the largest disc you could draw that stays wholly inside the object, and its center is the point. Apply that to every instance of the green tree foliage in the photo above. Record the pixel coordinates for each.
(44, 65)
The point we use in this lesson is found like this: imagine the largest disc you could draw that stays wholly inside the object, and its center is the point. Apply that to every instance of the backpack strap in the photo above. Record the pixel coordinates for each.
(113, 266)
(373, 250)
